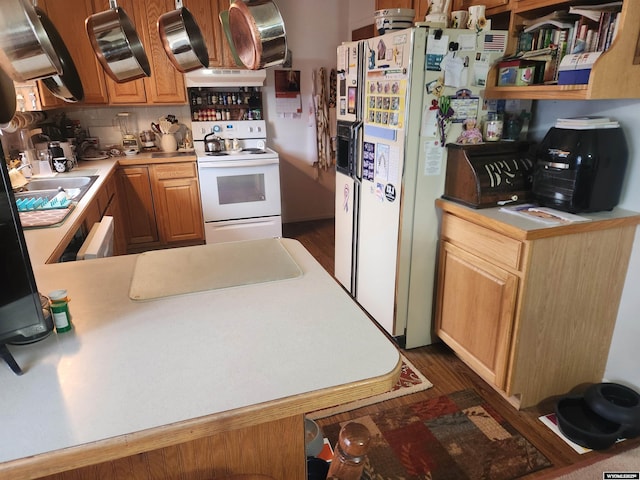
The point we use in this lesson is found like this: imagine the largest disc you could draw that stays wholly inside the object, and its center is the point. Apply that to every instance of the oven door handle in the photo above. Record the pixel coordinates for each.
(239, 163)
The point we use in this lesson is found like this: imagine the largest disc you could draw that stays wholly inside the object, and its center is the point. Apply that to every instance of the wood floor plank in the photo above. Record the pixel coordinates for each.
(449, 374)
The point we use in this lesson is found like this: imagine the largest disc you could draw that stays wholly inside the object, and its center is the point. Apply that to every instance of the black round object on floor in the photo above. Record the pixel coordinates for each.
(585, 427)
(617, 403)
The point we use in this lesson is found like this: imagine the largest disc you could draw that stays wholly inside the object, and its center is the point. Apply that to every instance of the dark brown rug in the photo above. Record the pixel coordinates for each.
(452, 437)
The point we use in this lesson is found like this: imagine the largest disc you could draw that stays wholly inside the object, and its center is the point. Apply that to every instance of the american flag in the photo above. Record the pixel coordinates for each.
(494, 42)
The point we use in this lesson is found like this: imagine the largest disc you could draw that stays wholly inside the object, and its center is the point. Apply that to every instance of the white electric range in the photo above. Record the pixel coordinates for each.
(239, 188)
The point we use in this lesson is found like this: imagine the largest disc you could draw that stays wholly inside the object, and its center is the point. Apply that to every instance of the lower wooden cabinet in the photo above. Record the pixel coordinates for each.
(176, 196)
(160, 205)
(107, 203)
(531, 309)
(477, 307)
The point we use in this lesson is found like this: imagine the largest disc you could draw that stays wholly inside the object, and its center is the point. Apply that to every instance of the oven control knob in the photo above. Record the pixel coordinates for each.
(216, 129)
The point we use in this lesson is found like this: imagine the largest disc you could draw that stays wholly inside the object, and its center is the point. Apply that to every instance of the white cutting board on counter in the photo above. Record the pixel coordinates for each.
(178, 271)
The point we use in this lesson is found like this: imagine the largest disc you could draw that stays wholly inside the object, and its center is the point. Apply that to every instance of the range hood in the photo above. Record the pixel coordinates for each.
(225, 77)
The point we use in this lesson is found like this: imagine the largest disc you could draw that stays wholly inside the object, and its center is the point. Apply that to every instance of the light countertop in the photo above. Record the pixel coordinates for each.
(43, 243)
(133, 366)
(526, 229)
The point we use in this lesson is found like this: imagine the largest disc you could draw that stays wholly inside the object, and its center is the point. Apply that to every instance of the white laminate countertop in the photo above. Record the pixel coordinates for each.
(132, 366)
(42, 241)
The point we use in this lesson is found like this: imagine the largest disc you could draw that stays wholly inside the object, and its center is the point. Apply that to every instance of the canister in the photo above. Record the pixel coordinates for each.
(60, 310)
(492, 127)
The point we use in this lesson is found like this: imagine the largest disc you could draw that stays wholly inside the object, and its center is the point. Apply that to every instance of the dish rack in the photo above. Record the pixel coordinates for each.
(29, 204)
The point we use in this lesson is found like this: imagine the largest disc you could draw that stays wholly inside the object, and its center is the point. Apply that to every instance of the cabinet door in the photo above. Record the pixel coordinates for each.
(136, 200)
(69, 17)
(177, 201)
(166, 84)
(206, 14)
(127, 92)
(475, 311)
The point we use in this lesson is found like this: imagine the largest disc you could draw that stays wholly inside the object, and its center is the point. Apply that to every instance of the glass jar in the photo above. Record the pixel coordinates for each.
(350, 452)
(492, 125)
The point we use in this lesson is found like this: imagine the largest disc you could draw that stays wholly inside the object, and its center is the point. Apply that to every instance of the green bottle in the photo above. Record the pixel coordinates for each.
(60, 310)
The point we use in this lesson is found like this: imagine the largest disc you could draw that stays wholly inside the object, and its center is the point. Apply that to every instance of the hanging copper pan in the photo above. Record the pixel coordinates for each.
(182, 39)
(26, 51)
(66, 86)
(258, 33)
(117, 45)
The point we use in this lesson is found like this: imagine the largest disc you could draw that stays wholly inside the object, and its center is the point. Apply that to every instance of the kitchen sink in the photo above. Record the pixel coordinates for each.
(60, 182)
(47, 188)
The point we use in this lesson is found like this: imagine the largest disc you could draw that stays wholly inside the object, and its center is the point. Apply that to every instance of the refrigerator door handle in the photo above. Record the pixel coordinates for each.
(356, 153)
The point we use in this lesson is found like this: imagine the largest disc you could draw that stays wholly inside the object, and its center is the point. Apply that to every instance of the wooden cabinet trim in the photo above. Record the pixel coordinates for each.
(482, 241)
(475, 311)
(175, 170)
(613, 75)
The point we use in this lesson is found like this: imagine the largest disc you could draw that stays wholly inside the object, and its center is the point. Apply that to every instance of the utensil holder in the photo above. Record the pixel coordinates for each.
(168, 142)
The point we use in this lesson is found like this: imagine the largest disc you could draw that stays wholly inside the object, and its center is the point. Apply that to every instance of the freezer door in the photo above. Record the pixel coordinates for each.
(350, 65)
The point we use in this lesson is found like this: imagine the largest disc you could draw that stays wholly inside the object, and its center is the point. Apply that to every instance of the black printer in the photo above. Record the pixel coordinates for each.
(580, 165)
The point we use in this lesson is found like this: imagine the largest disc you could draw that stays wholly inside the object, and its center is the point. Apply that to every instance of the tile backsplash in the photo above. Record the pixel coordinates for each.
(101, 121)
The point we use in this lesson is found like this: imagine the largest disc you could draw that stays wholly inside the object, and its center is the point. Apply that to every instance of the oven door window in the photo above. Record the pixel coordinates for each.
(239, 189)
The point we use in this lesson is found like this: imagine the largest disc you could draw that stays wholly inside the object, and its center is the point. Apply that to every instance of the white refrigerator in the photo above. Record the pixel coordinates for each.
(391, 163)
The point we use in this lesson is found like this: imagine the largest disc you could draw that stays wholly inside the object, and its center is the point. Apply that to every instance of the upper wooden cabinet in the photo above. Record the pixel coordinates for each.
(420, 6)
(68, 18)
(206, 13)
(614, 74)
(166, 84)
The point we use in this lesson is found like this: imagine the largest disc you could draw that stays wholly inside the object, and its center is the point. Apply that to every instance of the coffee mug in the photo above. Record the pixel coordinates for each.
(60, 164)
(459, 19)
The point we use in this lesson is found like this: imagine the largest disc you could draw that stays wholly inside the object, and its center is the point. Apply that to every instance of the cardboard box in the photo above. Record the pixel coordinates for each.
(575, 68)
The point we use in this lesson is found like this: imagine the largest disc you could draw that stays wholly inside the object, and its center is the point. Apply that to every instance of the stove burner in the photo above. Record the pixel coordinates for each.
(216, 154)
(254, 150)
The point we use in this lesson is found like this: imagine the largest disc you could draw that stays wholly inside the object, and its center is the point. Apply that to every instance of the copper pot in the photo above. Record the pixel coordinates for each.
(117, 45)
(182, 39)
(258, 33)
(66, 86)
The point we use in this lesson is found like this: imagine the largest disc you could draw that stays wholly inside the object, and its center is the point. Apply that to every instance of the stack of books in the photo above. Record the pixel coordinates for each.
(586, 123)
(581, 29)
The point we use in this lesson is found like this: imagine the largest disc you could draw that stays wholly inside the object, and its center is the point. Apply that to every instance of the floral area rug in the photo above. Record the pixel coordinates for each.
(410, 381)
(452, 437)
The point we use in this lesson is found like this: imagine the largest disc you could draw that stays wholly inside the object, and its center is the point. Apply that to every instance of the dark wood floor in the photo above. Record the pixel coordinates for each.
(448, 374)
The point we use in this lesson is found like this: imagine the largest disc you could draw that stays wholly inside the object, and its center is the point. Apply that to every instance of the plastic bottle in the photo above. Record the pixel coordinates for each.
(60, 310)
(350, 452)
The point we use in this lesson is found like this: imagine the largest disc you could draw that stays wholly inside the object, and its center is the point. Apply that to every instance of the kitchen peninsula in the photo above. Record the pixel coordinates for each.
(196, 385)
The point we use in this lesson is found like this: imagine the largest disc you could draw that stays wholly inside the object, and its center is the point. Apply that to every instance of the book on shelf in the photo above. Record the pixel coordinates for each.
(586, 123)
(548, 216)
(594, 12)
(581, 29)
(548, 24)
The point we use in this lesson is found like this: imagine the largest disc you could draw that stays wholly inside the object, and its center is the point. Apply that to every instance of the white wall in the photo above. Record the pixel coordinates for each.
(307, 193)
(622, 366)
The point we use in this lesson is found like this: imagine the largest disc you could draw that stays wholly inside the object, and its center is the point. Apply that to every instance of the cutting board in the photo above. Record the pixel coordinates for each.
(179, 271)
